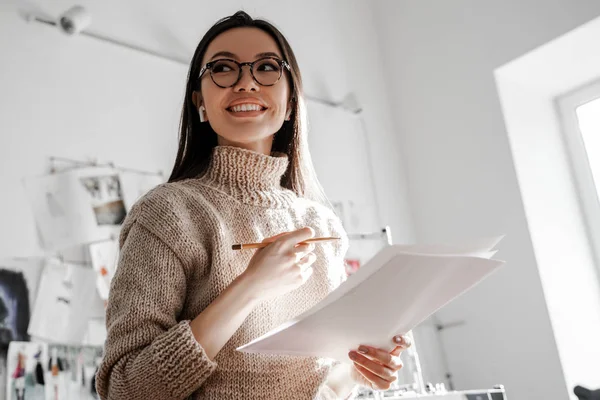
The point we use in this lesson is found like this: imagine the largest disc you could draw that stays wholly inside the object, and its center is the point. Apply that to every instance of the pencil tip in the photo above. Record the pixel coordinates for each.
(236, 247)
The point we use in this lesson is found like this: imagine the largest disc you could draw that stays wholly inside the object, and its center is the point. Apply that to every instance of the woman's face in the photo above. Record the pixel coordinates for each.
(239, 125)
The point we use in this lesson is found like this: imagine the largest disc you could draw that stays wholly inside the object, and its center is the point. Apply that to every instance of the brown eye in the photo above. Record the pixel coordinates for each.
(221, 67)
(268, 66)
(225, 72)
(267, 71)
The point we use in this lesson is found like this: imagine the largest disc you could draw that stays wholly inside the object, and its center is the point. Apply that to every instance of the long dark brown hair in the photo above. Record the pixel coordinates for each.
(197, 140)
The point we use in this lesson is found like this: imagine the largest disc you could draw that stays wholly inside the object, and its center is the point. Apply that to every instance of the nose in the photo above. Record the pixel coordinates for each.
(246, 82)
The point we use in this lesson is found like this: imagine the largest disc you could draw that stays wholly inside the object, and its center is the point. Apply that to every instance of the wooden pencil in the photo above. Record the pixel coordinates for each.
(245, 246)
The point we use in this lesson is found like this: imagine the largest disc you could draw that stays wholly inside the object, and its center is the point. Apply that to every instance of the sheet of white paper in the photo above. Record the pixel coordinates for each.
(404, 287)
(105, 257)
(66, 300)
(470, 248)
(96, 332)
(75, 207)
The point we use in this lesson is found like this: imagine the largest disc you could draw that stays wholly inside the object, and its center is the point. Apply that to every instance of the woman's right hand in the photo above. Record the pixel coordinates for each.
(282, 266)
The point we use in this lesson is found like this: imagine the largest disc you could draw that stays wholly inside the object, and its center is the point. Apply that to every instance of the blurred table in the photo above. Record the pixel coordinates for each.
(492, 394)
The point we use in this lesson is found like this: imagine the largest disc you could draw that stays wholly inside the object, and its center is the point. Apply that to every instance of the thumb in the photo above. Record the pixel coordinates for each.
(397, 350)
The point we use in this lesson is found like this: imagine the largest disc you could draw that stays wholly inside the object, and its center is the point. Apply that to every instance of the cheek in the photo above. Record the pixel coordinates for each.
(212, 98)
(280, 98)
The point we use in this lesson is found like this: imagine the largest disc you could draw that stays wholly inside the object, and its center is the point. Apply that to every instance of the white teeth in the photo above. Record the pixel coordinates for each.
(246, 107)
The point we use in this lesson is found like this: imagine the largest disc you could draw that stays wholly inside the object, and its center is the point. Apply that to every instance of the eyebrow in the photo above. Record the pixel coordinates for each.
(231, 55)
(268, 54)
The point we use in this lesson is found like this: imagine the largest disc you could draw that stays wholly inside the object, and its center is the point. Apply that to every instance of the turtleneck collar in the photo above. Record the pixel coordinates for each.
(250, 177)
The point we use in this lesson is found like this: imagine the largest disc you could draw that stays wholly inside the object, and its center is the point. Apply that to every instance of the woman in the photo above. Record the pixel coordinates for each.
(182, 301)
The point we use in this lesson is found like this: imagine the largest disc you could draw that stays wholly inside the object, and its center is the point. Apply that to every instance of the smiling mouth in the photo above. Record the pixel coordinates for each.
(243, 108)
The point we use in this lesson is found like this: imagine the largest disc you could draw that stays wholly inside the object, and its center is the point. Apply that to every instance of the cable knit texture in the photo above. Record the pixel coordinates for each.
(176, 258)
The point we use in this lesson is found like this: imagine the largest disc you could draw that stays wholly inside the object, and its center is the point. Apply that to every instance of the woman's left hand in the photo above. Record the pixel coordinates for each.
(376, 368)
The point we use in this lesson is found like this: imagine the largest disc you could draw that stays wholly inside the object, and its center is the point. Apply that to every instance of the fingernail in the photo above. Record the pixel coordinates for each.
(363, 350)
(352, 355)
(398, 339)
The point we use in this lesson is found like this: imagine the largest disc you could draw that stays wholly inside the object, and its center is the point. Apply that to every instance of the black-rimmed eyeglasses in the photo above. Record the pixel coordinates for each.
(226, 72)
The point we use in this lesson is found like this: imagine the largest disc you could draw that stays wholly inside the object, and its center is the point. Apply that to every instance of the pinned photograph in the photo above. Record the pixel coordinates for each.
(106, 199)
(75, 207)
(84, 205)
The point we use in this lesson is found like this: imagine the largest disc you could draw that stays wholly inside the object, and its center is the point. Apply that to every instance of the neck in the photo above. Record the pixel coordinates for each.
(250, 177)
(263, 146)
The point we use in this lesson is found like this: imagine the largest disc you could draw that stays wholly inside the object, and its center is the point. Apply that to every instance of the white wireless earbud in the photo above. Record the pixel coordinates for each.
(201, 111)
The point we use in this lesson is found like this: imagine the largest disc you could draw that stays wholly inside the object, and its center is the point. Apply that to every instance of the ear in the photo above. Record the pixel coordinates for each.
(196, 98)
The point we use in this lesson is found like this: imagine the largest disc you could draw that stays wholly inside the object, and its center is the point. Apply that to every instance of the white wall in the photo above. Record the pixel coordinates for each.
(528, 92)
(75, 98)
(79, 98)
(440, 58)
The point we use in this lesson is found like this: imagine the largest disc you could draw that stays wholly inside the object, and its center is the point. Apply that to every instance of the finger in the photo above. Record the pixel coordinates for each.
(304, 248)
(397, 351)
(384, 357)
(376, 381)
(300, 252)
(402, 342)
(291, 239)
(374, 367)
(307, 261)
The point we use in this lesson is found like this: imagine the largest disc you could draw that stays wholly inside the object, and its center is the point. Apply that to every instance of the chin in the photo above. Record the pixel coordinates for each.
(246, 137)
(247, 132)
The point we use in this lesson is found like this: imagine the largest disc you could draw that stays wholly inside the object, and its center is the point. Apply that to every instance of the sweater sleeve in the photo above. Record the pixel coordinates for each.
(149, 354)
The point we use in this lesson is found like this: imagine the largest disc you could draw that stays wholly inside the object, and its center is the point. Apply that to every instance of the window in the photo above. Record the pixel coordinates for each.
(580, 114)
(588, 116)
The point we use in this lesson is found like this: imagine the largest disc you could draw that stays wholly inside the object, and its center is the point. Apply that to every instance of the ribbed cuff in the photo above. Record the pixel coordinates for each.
(181, 361)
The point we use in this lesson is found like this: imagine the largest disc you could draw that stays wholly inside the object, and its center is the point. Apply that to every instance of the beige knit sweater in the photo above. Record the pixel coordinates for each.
(176, 258)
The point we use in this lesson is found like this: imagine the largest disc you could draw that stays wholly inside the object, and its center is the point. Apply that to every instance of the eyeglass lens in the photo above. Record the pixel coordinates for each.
(226, 73)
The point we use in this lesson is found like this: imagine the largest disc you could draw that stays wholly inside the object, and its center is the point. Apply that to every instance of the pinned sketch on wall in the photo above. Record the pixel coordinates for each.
(66, 300)
(41, 371)
(77, 206)
(14, 316)
(30, 268)
(26, 377)
(14, 307)
(84, 205)
(104, 256)
(351, 265)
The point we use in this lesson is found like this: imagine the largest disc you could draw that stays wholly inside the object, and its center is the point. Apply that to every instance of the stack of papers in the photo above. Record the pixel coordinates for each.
(396, 290)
